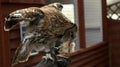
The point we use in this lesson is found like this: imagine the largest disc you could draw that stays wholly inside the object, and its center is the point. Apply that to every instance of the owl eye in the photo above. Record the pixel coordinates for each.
(60, 6)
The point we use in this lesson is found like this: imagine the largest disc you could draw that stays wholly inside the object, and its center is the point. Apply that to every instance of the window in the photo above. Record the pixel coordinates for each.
(93, 21)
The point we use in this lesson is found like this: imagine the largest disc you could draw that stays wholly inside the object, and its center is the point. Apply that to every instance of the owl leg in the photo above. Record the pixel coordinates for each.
(51, 54)
(48, 56)
(27, 37)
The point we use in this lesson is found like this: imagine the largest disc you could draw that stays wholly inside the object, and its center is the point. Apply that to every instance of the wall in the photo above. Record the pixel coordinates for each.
(0, 40)
(25, 1)
(114, 42)
(94, 56)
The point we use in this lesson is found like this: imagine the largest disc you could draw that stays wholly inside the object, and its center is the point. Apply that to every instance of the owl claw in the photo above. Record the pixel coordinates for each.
(48, 56)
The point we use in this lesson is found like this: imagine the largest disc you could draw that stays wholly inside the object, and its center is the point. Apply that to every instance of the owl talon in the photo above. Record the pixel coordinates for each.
(48, 56)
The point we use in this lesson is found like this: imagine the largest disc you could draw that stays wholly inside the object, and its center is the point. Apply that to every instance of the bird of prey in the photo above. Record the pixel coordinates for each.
(46, 27)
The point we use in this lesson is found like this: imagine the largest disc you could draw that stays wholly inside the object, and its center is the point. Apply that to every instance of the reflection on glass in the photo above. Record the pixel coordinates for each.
(93, 21)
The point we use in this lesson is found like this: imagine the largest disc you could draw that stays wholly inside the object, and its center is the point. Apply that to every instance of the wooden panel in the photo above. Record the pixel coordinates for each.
(32, 61)
(0, 39)
(81, 23)
(4, 0)
(104, 21)
(14, 34)
(0, 44)
(5, 51)
(114, 42)
(0, 57)
(25, 1)
(94, 56)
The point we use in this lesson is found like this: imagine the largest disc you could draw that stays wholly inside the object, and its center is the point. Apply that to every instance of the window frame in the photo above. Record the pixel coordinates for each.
(81, 23)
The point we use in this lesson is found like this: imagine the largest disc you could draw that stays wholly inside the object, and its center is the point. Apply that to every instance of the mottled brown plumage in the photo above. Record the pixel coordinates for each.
(45, 27)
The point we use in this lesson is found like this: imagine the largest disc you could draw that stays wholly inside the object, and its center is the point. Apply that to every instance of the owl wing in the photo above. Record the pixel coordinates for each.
(23, 51)
(32, 15)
